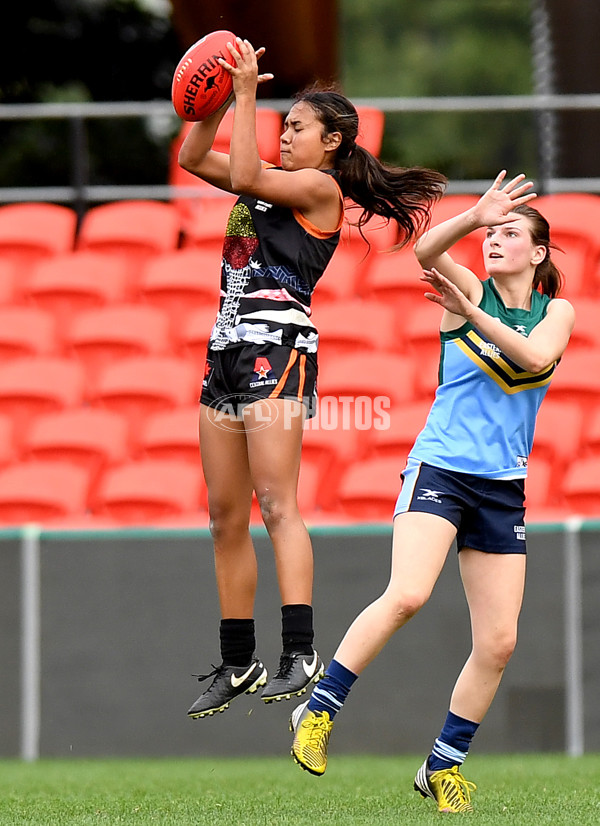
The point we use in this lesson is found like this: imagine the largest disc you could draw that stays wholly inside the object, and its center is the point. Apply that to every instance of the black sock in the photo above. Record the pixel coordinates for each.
(297, 628)
(237, 641)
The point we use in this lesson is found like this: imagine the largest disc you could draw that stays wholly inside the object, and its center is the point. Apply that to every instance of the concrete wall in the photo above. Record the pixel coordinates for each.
(128, 617)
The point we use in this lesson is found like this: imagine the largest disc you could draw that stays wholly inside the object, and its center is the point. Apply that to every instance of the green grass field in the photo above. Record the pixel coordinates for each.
(518, 790)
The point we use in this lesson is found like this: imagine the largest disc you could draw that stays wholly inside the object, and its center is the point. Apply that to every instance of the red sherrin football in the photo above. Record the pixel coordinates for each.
(200, 84)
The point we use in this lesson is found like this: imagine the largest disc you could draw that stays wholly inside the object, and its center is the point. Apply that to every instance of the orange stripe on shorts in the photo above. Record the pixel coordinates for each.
(286, 372)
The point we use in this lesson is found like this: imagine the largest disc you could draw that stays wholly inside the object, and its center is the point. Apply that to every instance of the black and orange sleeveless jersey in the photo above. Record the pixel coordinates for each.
(272, 260)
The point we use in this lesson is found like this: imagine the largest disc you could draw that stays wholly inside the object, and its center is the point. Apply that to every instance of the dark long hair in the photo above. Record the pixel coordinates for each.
(403, 195)
(548, 279)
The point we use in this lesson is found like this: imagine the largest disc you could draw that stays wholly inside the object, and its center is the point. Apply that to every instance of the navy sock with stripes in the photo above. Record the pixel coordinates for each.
(452, 746)
(330, 693)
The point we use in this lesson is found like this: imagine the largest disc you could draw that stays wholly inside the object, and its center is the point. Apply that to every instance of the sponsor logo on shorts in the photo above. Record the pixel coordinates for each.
(208, 371)
(428, 495)
(519, 532)
(263, 373)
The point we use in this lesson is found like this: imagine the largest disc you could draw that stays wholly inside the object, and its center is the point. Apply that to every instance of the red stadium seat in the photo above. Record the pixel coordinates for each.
(136, 493)
(354, 326)
(394, 279)
(577, 379)
(590, 434)
(395, 436)
(369, 489)
(573, 219)
(140, 386)
(40, 491)
(586, 333)
(33, 385)
(11, 281)
(172, 434)
(206, 228)
(467, 251)
(268, 130)
(8, 446)
(26, 331)
(182, 281)
(422, 331)
(558, 433)
(100, 337)
(538, 485)
(68, 284)
(331, 443)
(192, 337)
(384, 380)
(134, 230)
(85, 437)
(581, 486)
(31, 231)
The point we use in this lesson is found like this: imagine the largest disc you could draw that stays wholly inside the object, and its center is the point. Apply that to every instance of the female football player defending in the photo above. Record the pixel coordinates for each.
(501, 340)
(261, 365)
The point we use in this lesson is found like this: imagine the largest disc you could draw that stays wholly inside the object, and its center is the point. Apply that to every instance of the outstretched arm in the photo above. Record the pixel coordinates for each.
(534, 353)
(494, 207)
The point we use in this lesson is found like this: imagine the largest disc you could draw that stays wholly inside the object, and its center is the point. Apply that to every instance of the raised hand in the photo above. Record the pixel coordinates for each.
(245, 72)
(448, 295)
(495, 205)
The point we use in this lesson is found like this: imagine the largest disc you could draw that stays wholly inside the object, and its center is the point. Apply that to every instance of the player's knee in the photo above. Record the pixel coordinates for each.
(225, 522)
(405, 604)
(500, 649)
(274, 510)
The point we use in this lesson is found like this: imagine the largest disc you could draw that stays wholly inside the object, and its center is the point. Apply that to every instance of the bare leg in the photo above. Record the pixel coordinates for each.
(494, 585)
(274, 459)
(420, 546)
(225, 464)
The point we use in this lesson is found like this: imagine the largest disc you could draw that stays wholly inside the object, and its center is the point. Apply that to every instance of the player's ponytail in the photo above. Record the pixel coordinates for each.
(403, 195)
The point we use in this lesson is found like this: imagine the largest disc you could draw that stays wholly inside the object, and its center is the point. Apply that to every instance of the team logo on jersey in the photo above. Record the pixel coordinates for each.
(521, 328)
(263, 373)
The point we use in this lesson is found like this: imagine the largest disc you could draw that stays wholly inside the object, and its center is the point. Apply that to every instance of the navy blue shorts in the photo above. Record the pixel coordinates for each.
(488, 514)
(238, 376)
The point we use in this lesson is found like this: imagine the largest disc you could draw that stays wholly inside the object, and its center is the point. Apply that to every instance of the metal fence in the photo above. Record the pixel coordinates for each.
(101, 631)
(77, 114)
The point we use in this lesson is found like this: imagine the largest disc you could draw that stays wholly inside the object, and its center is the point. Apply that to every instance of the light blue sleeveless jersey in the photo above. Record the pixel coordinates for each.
(483, 417)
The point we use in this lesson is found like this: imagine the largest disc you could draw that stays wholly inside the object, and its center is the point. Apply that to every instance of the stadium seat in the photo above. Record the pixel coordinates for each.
(428, 377)
(181, 281)
(32, 385)
(8, 446)
(590, 434)
(26, 331)
(10, 278)
(539, 491)
(31, 231)
(371, 126)
(192, 337)
(586, 333)
(369, 489)
(331, 443)
(394, 279)
(581, 486)
(39, 491)
(99, 337)
(68, 284)
(558, 433)
(467, 251)
(577, 379)
(206, 227)
(395, 436)
(85, 437)
(268, 130)
(573, 219)
(136, 493)
(133, 230)
(354, 326)
(422, 331)
(342, 276)
(172, 434)
(385, 380)
(139, 386)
